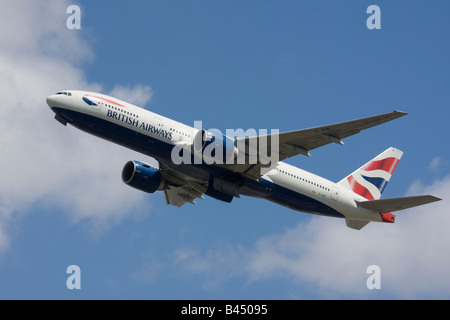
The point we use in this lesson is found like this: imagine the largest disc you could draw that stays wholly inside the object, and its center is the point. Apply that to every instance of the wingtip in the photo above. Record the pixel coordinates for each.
(400, 113)
(434, 197)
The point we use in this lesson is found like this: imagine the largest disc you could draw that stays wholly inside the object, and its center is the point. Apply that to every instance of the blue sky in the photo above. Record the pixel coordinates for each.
(231, 64)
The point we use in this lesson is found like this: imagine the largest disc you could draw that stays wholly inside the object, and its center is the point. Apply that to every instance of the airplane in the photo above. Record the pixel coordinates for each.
(356, 198)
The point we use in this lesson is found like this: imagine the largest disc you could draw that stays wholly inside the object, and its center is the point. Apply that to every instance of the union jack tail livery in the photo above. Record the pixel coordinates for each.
(370, 180)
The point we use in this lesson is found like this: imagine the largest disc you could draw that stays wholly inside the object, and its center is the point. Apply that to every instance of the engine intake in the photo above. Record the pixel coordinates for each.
(142, 176)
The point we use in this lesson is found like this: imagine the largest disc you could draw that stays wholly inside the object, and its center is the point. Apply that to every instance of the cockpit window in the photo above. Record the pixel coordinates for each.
(65, 93)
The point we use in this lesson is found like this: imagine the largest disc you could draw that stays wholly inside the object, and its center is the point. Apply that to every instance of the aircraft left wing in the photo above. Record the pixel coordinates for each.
(177, 196)
(181, 189)
(302, 141)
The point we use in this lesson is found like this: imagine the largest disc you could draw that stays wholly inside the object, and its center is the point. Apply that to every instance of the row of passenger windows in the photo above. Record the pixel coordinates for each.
(304, 180)
(135, 115)
(120, 110)
(125, 112)
(180, 132)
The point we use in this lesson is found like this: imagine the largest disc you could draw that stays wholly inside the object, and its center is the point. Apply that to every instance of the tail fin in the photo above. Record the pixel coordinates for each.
(370, 180)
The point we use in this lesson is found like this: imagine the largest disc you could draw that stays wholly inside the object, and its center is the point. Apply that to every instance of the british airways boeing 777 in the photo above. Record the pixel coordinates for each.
(194, 161)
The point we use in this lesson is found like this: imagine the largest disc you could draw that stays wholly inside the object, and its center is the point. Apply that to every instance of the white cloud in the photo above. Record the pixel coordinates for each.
(435, 163)
(38, 28)
(42, 161)
(138, 95)
(331, 259)
(214, 266)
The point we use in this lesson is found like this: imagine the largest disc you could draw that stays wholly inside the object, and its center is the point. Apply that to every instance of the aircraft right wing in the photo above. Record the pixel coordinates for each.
(302, 141)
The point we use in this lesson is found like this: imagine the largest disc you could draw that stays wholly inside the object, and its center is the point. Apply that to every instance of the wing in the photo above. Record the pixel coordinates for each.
(181, 188)
(177, 196)
(302, 141)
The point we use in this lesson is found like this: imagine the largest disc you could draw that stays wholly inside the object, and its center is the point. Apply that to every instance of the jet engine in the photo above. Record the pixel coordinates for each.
(214, 147)
(222, 190)
(142, 176)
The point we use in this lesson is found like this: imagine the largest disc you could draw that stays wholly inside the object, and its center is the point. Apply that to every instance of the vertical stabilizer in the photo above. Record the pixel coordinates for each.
(370, 180)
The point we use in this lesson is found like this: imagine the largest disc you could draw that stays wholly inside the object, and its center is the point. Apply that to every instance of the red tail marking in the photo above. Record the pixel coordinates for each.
(388, 165)
(359, 189)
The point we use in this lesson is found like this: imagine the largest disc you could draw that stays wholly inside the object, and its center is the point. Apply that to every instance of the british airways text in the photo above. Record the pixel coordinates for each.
(141, 125)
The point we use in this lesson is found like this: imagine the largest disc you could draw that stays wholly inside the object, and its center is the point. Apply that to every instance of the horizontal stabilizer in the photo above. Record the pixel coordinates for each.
(356, 224)
(396, 204)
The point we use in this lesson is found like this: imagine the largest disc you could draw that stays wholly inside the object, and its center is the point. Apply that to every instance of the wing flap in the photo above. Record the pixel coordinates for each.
(396, 204)
(180, 188)
(178, 196)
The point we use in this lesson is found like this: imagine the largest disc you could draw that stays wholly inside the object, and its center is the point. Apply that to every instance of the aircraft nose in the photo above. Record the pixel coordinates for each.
(51, 101)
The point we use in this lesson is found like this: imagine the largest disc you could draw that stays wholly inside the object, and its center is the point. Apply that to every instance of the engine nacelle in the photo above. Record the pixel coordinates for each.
(142, 176)
(215, 147)
(222, 190)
